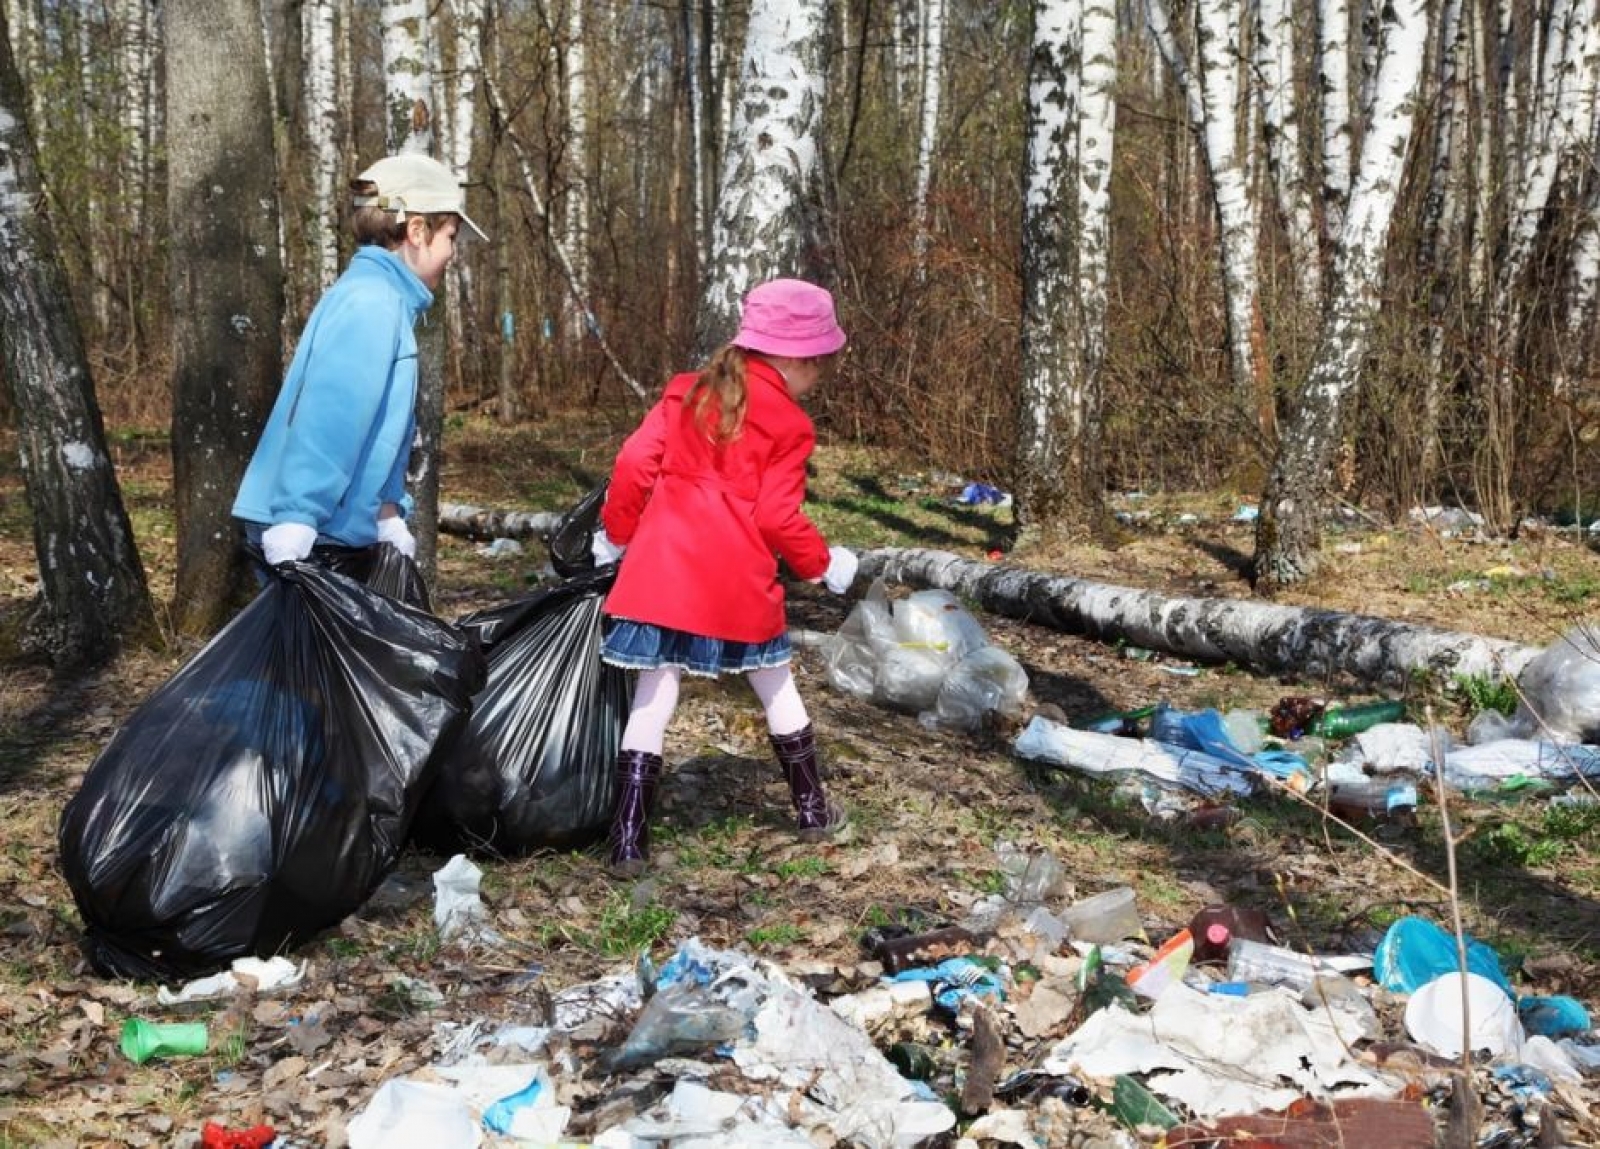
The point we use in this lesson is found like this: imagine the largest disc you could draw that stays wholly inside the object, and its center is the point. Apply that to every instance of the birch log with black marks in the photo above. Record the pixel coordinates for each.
(1262, 636)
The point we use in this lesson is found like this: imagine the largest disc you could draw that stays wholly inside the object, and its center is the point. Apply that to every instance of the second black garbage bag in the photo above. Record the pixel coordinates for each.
(263, 792)
(533, 768)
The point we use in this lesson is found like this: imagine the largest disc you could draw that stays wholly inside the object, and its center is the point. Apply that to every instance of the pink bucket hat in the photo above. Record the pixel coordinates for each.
(791, 318)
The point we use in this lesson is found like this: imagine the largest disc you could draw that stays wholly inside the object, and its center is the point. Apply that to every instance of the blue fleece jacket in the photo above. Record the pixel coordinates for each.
(336, 445)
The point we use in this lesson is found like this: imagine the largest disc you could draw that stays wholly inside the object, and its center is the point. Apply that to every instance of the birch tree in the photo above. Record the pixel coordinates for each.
(408, 95)
(1333, 81)
(1288, 532)
(932, 74)
(577, 164)
(460, 101)
(770, 162)
(1215, 99)
(92, 590)
(1286, 166)
(319, 37)
(1066, 260)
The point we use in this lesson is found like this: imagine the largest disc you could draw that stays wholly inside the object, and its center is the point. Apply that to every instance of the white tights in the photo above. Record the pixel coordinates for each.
(655, 697)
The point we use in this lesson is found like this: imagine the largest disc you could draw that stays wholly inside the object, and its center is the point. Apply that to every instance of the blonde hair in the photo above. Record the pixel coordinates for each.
(717, 400)
(379, 226)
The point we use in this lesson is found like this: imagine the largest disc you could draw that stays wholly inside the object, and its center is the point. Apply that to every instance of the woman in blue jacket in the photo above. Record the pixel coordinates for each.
(331, 462)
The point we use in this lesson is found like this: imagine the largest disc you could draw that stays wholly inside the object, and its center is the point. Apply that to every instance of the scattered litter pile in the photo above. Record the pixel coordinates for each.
(1041, 1018)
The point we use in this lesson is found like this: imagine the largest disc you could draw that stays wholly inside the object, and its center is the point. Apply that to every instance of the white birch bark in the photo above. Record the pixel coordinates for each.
(907, 45)
(1097, 130)
(1333, 75)
(1288, 534)
(133, 81)
(1266, 637)
(576, 215)
(322, 138)
(408, 89)
(1286, 167)
(770, 160)
(1562, 115)
(1218, 24)
(1053, 399)
(932, 70)
(696, 64)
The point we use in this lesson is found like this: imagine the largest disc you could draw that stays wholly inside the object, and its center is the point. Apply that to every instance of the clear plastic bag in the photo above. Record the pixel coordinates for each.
(1561, 690)
(987, 681)
(264, 792)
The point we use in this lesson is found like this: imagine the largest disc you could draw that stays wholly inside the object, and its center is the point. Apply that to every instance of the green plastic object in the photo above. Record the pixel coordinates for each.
(1136, 1106)
(1343, 721)
(142, 1040)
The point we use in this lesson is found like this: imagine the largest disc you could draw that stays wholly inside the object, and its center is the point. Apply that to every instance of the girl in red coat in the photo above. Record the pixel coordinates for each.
(705, 498)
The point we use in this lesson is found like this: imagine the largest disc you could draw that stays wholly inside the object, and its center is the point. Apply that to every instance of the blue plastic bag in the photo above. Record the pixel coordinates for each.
(1415, 951)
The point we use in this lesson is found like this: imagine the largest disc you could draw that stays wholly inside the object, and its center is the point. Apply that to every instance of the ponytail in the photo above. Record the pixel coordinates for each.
(717, 400)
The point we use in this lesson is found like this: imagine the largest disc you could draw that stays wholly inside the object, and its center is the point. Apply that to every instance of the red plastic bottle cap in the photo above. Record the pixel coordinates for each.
(1217, 934)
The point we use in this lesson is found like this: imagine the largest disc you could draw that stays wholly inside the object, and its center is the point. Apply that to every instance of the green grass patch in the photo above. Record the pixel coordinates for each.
(623, 929)
(777, 935)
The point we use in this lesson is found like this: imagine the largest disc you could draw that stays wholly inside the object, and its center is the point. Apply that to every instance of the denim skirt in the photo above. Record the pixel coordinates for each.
(640, 646)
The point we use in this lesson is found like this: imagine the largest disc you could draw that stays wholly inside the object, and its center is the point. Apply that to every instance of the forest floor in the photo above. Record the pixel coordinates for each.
(382, 997)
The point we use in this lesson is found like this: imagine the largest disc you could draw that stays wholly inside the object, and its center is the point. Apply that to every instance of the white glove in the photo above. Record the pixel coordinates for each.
(394, 531)
(841, 572)
(605, 551)
(287, 542)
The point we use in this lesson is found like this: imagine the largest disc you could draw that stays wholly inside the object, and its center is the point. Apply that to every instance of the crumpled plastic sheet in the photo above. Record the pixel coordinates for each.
(1108, 755)
(849, 1086)
(1222, 1055)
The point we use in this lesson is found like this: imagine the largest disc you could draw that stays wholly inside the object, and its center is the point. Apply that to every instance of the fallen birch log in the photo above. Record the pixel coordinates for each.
(479, 523)
(1259, 635)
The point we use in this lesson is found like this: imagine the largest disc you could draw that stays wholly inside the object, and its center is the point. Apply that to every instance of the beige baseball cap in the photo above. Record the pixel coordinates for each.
(418, 184)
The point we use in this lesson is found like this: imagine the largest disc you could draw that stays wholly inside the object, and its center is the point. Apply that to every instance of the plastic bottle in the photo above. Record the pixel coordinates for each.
(1343, 721)
(1375, 800)
(1215, 927)
(1261, 964)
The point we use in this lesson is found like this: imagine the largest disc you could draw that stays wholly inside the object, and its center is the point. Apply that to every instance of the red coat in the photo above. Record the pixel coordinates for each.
(704, 525)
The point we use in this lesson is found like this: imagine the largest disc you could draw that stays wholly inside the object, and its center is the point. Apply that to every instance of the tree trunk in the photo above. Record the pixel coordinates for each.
(322, 140)
(91, 586)
(576, 155)
(770, 163)
(932, 62)
(408, 94)
(1333, 80)
(1265, 637)
(1280, 115)
(227, 287)
(1066, 241)
(1289, 530)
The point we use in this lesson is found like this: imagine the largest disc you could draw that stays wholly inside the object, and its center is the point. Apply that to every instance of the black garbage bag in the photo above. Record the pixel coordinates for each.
(382, 567)
(534, 767)
(569, 542)
(262, 793)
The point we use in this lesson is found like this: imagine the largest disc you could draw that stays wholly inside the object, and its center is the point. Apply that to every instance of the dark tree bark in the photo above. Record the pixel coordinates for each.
(92, 590)
(227, 287)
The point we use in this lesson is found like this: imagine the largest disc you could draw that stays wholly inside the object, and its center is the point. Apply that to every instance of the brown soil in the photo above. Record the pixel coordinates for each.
(928, 809)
